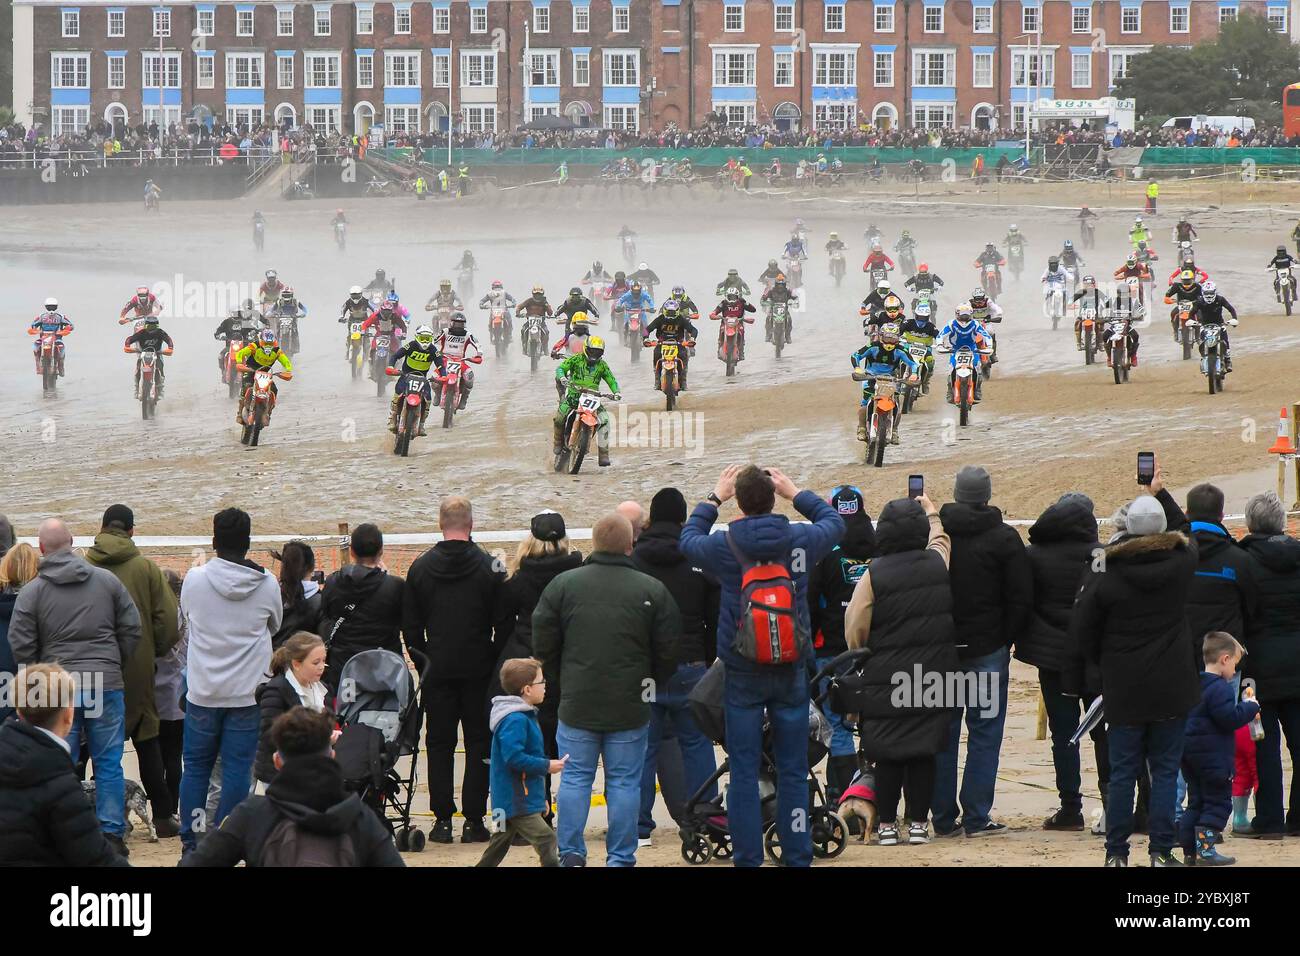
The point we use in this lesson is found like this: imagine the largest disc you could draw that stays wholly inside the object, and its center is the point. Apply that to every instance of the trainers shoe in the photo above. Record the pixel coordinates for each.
(440, 832)
(918, 833)
(1099, 828)
(643, 842)
(956, 831)
(1165, 860)
(887, 834)
(118, 844)
(1063, 819)
(989, 829)
(167, 827)
(474, 832)
(573, 860)
(1116, 861)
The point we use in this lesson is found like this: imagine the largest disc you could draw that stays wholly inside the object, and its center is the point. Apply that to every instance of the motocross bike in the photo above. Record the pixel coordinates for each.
(580, 430)
(499, 330)
(341, 235)
(147, 384)
(229, 372)
(635, 321)
(286, 331)
(380, 349)
(50, 360)
(1087, 233)
(794, 273)
(1054, 303)
(778, 318)
(920, 347)
(992, 280)
(837, 266)
(629, 252)
(668, 375)
(417, 396)
(1117, 356)
(255, 410)
(1285, 284)
(465, 284)
(907, 263)
(1088, 335)
(1016, 261)
(1185, 327)
(259, 235)
(450, 395)
(961, 381)
(1213, 355)
(732, 335)
(880, 415)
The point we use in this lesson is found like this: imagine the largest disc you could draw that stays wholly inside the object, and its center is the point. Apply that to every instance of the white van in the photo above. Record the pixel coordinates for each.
(1225, 123)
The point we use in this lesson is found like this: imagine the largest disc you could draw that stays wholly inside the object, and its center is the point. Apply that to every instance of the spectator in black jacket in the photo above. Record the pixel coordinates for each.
(1224, 595)
(361, 609)
(1062, 546)
(456, 614)
(830, 588)
(1273, 662)
(542, 555)
(306, 798)
(45, 818)
(299, 591)
(991, 594)
(1130, 620)
(298, 665)
(657, 554)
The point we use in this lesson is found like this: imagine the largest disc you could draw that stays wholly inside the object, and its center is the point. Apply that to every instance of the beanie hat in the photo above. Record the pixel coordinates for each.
(232, 530)
(1145, 516)
(847, 502)
(1076, 498)
(548, 526)
(119, 515)
(973, 486)
(668, 504)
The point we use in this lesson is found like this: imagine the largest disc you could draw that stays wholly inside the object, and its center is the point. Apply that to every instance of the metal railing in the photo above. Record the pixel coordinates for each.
(174, 156)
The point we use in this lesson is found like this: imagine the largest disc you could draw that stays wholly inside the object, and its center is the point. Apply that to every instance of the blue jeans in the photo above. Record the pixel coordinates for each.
(781, 696)
(623, 754)
(230, 732)
(105, 736)
(842, 742)
(671, 710)
(983, 748)
(1158, 746)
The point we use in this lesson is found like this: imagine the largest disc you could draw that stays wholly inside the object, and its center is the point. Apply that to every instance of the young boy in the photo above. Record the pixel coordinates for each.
(45, 819)
(1208, 752)
(519, 765)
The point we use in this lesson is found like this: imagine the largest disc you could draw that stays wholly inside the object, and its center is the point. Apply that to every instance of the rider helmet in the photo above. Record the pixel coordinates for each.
(893, 306)
(883, 285)
(889, 335)
(597, 268)
(1209, 291)
(642, 267)
(1281, 250)
(978, 299)
(497, 285)
(537, 289)
(579, 318)
(834, 235)
(1014, 227)
(671, 307)
(1053, 263)
(679, 292)
(266, 338)
(355, 292)
(575, 293)
(595, 348)
(270, 275)
(379, 274)
(458, 317)
(142, 291)
(923, 267)
(445, 285)
(780, 279)
(1137, 220)
(1089, 281)
(1132, 258)
(151, 320)
(424, 337)
(636, 286)
(286, 294)
(923, 309)
(875, 245)
(733, 295)
(1187, 277)
(736, 272)
(905, 235)
(771, 264)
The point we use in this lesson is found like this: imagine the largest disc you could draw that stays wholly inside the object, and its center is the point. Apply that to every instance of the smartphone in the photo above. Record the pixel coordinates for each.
(1146, 467)
(318, 577)
(915, 486)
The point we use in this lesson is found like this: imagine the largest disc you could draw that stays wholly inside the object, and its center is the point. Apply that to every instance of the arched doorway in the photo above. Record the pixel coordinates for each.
(786, 116)
(115, 116)
(435, 117)
(201, 115)
(579, 113)
(363, 117)
(984, 117)
(286, 117)
(884, 116)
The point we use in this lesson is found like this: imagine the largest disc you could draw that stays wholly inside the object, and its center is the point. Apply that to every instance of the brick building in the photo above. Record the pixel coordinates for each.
(493, 64)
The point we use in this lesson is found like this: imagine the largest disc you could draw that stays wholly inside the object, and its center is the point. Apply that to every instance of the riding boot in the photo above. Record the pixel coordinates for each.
(557, 437)
(1227, 360)
(392, 413)
(1078, 338)
(862, 423)
(464, 399)
(424, 414)
(602, 457)
(768, 330)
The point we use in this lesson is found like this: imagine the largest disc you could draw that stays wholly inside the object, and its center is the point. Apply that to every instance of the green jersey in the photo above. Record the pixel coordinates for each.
(581, 374)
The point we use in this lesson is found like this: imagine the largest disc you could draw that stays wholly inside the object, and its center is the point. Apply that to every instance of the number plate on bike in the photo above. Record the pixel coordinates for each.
(588, 403)
(917, 351)
(965, 359)
(667, 352)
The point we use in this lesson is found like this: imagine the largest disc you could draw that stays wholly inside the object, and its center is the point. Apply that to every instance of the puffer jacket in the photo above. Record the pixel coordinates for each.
(658, 553)
(992, 586)
(1273, 639)
(1062, 545)
(1209, 743)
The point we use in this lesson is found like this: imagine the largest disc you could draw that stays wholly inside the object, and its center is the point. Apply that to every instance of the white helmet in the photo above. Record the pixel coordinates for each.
(1137, 220)
(883, 285)
(51, 304)
(355, 290)
(642, 267)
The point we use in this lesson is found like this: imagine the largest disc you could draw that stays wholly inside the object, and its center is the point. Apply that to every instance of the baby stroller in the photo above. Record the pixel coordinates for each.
(378, 706)
(704, 829)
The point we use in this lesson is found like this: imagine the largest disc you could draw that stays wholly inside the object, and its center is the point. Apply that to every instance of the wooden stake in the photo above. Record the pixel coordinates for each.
(1041, 731)
(344, 536)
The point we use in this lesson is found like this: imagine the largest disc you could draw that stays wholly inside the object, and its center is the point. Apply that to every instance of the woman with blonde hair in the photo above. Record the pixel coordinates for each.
(18, 566)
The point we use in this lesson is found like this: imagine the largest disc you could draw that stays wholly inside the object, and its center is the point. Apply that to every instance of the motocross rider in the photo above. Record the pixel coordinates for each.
(243, 324)
(835, 244)
(877, 259)
(906, 245)
(767, 278)
(413, 360)
(1184, 231)
(1069, 256)
(455, 342)
(289, 305)
(1282, 260)
(924, 281)
(733, 307)
(1208, 310)
(389, 319)
(990, 256)
(150, 337)
(268, 293)
(588, 371)
(1014, 240)
(672, 324)
(575, 303)
(596, 275)
(986, 312)
(875, 300)
(891, 310)
(1088, 297)
(685, 303)
(444, 298)
(646, 276)
(1185, 290)
(734, 281)
(379, 283)
(1139, 232)
(780, 292)
(633, 300)
(262, 354)
(1054, 276)
(964, 332)
(536, 307)
(142, 304)
(51, 320)
(921, 327)
(1134, 268)
(498, 298)
(880, 358)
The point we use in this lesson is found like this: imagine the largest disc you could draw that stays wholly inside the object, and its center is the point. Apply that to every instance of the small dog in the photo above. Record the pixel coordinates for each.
(859, 801)
(136, 803)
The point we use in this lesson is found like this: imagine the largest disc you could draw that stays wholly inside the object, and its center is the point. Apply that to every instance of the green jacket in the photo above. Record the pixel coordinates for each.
(582, 375)
(612, 630)
(116, 552)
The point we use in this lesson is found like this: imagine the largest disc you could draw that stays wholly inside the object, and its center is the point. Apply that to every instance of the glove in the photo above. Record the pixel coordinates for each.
(618, 397)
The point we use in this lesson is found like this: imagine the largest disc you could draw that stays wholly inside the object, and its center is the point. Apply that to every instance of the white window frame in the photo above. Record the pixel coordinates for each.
(582, 78)
(441, 20)
(80, 72)
(733, 17)
(69, 119)
(622, 17)
(626, 57)
(1227, 15)
(1029, 60)
(245, 18)
(410, 70)
(981, 18)
(926, 10)
(976, 59)
(783, 60)
(233, 61)
(882, 68)
(205, 79)
(162, 23)
(322, 19)
(479, 118)
(736, 114)
(542, 19)
(882, 18)
(618, 117)
(834, 115)
(482, 62)
(365, 19)
(120, 60)
(1084, 25)
(402, 19)
(331, 114)
(333, 69)
(732, 62)
(284, 72)
(550, 67)
(1031, 19)
(478, 19)
(70, 22)
(283, 22)
(1075, 60)
(1130, 20)
(116, 18)
(205, 23)
(1126, 54)
(441, 64)
(783, 17)
(921, 69)
(1284, 25)
(169, 72)
(948, 112)
(404, 110)
(835, 67)
(835, 17)
(1185, 14)
(366, 60)
(581, 19)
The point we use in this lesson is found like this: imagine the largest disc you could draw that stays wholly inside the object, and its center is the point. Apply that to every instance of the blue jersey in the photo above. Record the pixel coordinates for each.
(957, 335)
(878, 360)
(630, 301)
(51, 322)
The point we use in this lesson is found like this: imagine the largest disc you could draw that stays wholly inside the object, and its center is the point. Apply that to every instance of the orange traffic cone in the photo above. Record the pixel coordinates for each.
(1283, 444)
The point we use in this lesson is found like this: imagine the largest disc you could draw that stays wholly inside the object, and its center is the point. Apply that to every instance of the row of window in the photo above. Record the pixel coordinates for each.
(929, 68)
(323, 70)
(322, 21)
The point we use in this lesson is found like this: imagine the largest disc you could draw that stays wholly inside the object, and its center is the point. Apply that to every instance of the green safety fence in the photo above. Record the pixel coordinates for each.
(710, 156)
(1213, 156)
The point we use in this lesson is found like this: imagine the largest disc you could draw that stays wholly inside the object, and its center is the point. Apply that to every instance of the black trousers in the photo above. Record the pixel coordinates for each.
(148, 753)
(449, 705)
(913, 779)
(171, 737)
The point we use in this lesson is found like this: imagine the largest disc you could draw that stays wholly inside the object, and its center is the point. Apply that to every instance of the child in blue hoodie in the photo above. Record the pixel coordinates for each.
(519, 765)
(1208, 752)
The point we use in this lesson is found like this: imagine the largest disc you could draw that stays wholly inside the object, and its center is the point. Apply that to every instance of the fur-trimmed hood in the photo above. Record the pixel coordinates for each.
(1132, 546)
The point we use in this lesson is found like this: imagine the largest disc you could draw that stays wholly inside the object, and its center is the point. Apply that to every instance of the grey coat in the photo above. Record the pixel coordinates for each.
(75, 614)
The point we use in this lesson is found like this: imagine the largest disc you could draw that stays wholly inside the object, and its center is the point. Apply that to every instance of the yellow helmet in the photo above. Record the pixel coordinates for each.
(595, 342)
(579, 318)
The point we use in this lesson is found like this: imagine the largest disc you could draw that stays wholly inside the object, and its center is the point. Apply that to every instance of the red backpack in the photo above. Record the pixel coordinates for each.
(768, 629)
